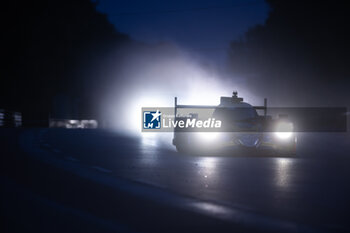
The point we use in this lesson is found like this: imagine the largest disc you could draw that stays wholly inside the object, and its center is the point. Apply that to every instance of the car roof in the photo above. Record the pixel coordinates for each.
(235, 105)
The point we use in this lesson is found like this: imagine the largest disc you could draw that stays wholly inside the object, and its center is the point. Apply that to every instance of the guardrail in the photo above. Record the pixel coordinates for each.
(10, 118)
(73, 123)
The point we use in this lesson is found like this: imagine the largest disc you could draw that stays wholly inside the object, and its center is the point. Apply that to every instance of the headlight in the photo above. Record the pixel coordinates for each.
(283, 135)
(284, 130)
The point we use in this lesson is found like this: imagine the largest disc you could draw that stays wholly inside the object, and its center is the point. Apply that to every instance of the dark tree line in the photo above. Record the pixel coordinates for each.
(51, 51)
(301, 52)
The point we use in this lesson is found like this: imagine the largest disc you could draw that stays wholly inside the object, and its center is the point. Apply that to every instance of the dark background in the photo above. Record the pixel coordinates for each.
(53, 50)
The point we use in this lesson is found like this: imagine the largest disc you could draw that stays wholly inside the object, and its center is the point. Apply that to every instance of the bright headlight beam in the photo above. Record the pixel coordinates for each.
(283, 135)
(284, 130)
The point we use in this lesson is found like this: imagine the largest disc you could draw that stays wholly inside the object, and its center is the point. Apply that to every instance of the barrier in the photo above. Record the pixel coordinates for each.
(10, 119)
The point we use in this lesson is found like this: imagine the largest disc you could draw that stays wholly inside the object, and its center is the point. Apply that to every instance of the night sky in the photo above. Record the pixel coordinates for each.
(206, 26)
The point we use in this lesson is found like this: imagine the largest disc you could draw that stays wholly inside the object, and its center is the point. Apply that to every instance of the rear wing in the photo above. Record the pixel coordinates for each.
(176, 106)
(264, 107)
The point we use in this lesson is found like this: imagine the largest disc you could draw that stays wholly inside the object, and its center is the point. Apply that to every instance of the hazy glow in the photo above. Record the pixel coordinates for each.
(149, 139)
(153, 79)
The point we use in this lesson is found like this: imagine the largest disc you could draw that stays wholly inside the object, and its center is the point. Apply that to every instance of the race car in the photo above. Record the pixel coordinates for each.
(242, 129)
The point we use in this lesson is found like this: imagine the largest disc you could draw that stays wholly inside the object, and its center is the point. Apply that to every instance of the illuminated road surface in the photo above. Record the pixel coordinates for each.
(311, 191)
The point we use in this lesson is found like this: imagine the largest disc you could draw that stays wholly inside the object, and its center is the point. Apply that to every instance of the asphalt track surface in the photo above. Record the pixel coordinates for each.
(57, 180)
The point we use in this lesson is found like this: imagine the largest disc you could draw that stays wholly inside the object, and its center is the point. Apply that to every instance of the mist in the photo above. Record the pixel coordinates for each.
(153, 76)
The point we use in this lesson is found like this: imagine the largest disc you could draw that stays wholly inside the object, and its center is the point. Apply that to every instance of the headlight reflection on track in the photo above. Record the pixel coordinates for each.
(208, 136)
(283, 169)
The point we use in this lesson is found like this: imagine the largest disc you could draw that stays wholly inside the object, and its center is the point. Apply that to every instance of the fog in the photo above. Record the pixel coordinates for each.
(152, 77)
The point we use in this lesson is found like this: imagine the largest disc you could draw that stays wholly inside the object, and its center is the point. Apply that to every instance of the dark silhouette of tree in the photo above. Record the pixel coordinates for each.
(301, 52)
(52, 49)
